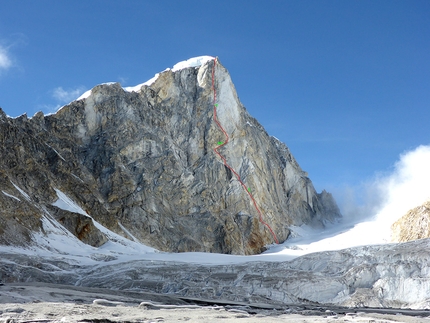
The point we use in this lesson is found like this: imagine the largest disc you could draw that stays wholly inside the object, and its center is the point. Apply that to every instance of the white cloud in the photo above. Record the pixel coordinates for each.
(388, 197)
(5, 59)
(371, 209)
(66, 96)
(408, 186)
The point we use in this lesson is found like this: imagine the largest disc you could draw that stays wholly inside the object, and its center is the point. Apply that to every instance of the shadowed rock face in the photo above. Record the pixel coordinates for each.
(144, 162)
(413, 225)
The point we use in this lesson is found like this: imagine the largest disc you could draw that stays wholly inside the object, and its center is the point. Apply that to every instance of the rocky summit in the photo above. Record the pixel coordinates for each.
(140, 162)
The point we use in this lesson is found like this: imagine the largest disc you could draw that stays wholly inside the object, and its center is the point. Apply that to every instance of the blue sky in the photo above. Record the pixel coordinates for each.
(345, 84)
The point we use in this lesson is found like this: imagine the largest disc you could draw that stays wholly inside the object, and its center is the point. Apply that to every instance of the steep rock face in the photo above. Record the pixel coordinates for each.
(413, 225)
(142, 164)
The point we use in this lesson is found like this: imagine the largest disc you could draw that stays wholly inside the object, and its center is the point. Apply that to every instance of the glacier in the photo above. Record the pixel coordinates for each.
(381, 275)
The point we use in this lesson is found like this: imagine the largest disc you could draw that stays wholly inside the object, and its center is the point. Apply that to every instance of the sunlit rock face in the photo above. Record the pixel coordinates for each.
(142, 164)
(413, 225)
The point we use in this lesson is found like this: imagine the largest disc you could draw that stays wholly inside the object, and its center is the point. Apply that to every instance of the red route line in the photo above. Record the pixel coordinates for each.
(225, 161)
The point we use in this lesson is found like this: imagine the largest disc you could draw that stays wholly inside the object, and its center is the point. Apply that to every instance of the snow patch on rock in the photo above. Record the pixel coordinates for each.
(22, 192)
(138, 87)
(9, 195)
(84, 95)
(65, 203)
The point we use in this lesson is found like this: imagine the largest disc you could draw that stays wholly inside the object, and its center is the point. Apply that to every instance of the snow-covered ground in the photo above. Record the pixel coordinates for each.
(39, 302)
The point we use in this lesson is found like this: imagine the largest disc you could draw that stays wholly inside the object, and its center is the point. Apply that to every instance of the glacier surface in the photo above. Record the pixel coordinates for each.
(384, 275)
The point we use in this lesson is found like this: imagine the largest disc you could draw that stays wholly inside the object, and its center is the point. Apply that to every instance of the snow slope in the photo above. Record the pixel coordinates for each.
(57, 239)
(305, 240)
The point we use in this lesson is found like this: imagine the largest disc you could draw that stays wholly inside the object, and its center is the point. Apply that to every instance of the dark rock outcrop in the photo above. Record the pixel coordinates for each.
(141, 163)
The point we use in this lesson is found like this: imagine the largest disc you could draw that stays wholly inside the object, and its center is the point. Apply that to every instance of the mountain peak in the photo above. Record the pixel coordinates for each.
(191, 62)
(159, 165)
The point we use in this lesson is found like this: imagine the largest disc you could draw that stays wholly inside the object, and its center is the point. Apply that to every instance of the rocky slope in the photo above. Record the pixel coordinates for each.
(413, 225)
(141, 163)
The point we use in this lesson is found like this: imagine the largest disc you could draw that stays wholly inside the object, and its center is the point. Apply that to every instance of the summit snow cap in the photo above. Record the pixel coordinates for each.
(192, 62)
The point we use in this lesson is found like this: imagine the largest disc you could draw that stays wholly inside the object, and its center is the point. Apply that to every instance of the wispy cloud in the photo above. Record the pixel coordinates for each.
(123, 80)
(5, 59)
(67, 95)
(61, 97)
